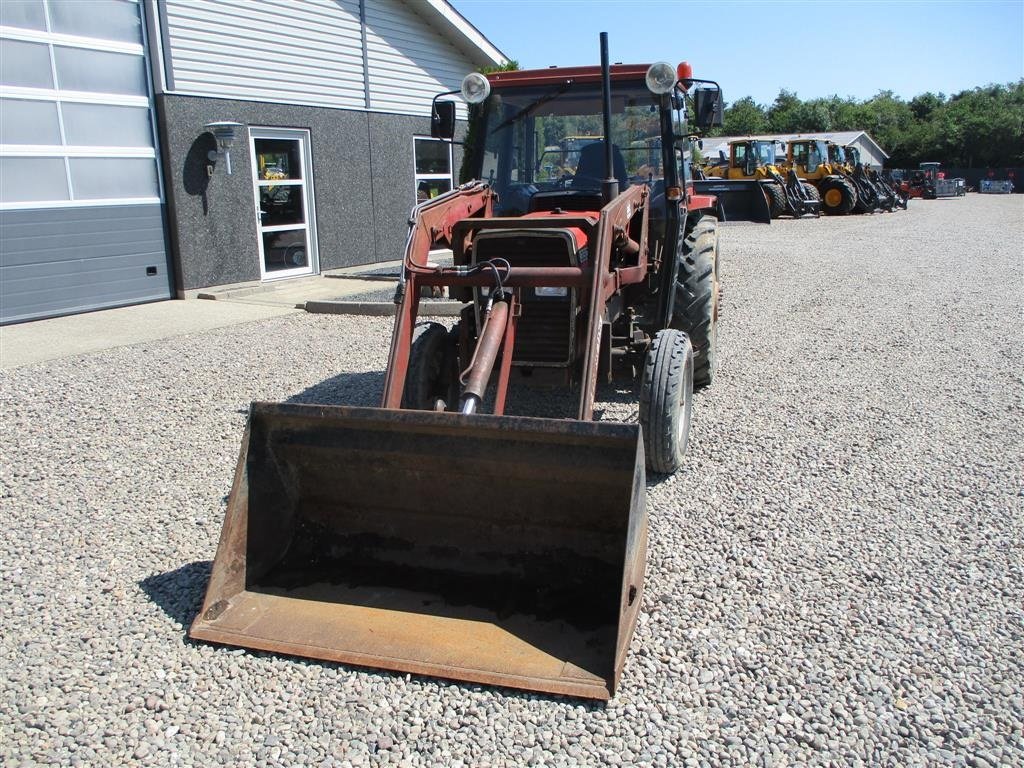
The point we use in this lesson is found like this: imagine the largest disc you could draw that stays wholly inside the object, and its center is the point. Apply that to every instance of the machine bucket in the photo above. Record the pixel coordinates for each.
(491, 549)
(740, 199)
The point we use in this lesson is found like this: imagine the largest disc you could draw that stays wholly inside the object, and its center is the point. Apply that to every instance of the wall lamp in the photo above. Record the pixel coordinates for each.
(225, 132)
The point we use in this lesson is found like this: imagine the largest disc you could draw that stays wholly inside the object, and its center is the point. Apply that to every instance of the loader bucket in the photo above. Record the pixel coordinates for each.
(740, 199)
(492, 549)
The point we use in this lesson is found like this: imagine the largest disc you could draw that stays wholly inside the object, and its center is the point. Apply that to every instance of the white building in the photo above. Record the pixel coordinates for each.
(108, 193)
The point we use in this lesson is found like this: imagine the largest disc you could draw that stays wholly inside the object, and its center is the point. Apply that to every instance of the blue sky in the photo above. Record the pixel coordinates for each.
(756, 48)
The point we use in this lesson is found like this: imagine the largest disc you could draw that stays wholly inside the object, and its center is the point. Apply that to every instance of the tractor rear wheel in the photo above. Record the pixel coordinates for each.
(776, 199)
(431, 382)
(838, 196)
(695, 309)
(666, 394)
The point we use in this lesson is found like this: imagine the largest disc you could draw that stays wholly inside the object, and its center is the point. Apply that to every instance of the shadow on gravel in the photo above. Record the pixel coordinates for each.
(179, 592)
(366, 389)
(359, 389)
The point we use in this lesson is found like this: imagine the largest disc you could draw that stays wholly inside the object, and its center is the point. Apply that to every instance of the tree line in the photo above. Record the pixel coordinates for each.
(978, 128)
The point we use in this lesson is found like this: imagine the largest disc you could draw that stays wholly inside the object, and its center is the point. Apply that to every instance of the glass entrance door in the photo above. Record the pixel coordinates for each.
(283, 187)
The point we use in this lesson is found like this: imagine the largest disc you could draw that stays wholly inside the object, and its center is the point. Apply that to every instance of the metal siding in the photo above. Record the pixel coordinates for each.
(307, 52)
(63, 260)
(409, 62)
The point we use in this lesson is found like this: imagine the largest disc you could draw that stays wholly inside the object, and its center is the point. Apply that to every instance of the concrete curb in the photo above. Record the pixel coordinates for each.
(382, 308)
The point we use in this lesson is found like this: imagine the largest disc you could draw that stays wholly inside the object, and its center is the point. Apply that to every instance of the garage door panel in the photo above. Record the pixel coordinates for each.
(104, 263)
(82, 245)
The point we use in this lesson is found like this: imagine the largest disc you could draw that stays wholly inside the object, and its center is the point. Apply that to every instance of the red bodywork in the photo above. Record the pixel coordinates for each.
(452, 221)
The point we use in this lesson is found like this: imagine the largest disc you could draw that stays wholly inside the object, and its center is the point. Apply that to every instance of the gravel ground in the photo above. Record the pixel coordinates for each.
(836, 577)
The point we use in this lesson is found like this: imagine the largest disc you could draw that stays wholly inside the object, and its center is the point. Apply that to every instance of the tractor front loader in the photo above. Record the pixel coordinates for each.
(438, 534)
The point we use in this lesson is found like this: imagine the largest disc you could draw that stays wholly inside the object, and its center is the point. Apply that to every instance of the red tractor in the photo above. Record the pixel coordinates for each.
(437, 534)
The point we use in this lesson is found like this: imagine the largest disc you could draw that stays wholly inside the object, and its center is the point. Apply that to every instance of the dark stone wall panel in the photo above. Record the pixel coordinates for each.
(213, 219)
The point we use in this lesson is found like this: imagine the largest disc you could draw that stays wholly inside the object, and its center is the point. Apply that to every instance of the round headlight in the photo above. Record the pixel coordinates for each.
(475, 88)
(661, 77)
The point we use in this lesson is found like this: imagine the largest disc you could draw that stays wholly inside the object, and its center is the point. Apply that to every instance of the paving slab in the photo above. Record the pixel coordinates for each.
(60, 337)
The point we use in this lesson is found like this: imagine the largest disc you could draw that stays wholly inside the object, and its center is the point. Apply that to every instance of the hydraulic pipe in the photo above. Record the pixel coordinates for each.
(484, 356)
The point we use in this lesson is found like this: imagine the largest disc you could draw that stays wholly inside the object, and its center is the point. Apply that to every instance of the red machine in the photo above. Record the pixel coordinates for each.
(428, 536)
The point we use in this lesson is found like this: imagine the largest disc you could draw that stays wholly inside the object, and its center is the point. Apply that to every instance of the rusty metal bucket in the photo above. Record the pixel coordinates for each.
(492, 549)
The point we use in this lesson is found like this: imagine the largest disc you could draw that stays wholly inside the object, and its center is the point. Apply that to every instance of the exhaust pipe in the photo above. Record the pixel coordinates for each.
(610, 185)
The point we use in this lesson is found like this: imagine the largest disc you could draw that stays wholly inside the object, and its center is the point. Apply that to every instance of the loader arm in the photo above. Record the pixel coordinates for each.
(431, 226)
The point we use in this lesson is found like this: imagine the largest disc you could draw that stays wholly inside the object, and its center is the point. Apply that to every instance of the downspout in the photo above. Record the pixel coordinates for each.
(366, 55)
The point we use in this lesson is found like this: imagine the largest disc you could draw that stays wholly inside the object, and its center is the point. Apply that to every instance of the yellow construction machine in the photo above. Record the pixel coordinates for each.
(755, 160)
(810, 160)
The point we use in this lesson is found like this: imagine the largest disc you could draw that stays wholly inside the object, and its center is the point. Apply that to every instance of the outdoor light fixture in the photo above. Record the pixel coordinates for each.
(225, 132)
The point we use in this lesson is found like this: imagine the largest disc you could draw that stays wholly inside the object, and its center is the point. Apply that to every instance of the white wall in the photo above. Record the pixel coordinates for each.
(310, 52)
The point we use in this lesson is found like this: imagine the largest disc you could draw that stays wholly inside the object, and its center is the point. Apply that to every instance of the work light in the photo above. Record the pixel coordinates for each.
(475, 88)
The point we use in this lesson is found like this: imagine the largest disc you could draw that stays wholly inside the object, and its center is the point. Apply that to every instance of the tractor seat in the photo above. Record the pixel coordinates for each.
(590, 171)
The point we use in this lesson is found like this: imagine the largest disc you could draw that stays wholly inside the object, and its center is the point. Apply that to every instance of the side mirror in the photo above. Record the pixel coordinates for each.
(442, 119)
(707, 107)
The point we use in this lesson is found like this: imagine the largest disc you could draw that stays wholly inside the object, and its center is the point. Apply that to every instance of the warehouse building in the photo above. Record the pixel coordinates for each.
(870, 151)
(114, 189)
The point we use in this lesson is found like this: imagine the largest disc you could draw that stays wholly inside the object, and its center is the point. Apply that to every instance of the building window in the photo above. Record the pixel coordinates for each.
(433, 168)
(76, 124)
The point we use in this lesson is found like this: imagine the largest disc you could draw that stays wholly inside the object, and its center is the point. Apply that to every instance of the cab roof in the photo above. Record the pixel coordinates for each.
(554, 75)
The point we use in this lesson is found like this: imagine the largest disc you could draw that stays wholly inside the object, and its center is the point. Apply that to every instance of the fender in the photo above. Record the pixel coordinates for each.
(699, 202)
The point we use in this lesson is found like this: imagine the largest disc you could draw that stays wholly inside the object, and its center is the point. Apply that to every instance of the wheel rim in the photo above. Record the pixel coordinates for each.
(833, 198)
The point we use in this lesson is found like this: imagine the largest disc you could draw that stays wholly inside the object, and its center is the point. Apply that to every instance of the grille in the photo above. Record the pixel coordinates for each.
(544, 333)
(552, 248)
(546, 329)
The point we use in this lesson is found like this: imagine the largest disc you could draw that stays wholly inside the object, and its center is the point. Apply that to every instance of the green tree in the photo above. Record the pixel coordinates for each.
(784, 113)
(744, 117)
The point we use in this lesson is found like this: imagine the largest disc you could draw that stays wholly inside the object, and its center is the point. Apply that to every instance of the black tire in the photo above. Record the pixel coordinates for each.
(430, 376)
(776, 199)
(838, 196)
(666, 396)
(811, 191)
(695, 309)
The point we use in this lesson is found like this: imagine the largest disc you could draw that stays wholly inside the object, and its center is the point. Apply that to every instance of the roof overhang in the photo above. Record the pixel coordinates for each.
(467, 37)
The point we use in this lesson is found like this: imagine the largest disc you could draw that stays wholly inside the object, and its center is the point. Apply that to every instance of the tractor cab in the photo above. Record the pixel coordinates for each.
(540, 144)
(809, 157)
(836, 156)
(750, 158)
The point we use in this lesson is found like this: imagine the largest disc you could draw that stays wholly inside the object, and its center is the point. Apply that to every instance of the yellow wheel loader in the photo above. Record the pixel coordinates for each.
(754, 160)
(809, 159)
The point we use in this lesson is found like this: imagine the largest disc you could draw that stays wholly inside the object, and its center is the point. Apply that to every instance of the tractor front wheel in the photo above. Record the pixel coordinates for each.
(811, 191)
(666, 395)
(838, 196)
(431, 382)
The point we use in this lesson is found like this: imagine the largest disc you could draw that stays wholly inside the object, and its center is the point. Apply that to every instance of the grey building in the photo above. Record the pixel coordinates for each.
(109, 193)
(870, 151)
